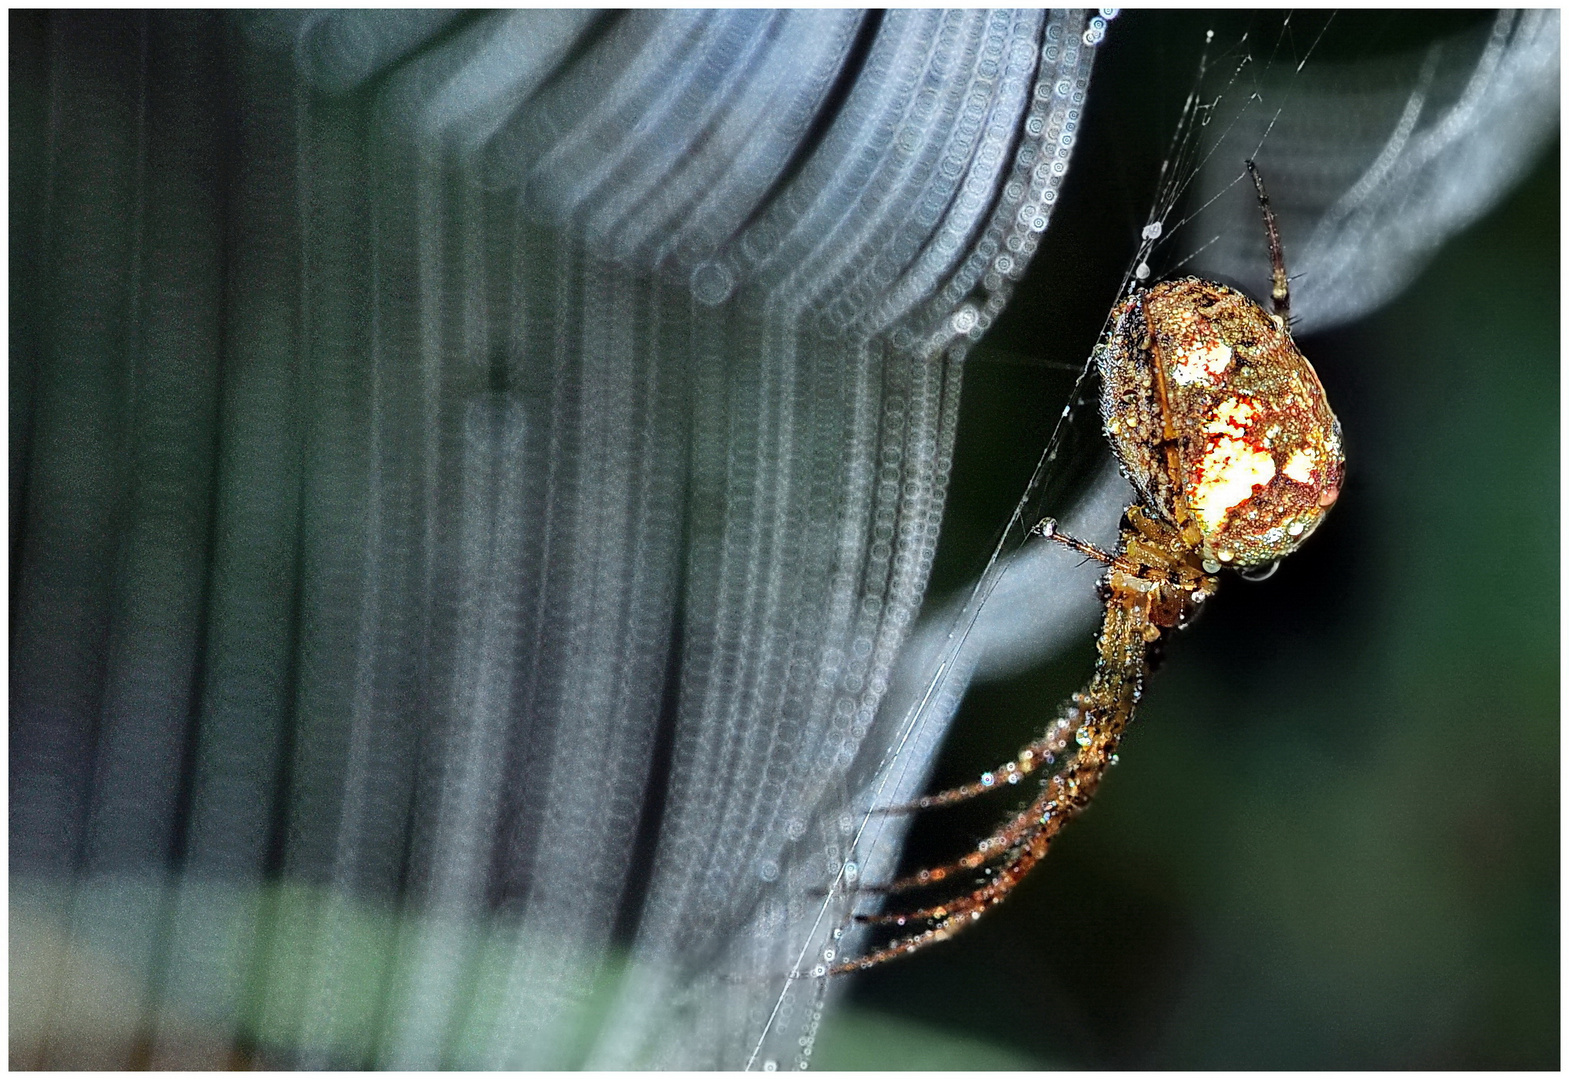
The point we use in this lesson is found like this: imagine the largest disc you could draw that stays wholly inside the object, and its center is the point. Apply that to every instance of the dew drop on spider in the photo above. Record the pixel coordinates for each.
(1222, 426)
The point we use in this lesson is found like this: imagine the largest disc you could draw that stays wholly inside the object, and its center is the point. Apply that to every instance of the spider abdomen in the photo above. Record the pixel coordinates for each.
(1218, 420)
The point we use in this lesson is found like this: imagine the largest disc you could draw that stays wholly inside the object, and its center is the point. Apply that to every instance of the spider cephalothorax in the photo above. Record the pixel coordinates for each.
(1222, 426)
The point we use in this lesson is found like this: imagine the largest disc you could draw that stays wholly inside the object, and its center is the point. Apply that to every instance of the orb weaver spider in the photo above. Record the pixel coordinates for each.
(1222, 427)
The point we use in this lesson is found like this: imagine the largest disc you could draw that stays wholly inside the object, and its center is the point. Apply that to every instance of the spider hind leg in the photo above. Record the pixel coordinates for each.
(1037, 754)
(1144, 579)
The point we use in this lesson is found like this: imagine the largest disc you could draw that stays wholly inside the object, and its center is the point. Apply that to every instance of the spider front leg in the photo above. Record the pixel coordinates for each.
(1047, 527)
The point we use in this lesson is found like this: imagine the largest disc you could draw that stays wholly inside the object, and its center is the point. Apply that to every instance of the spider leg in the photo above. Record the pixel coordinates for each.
(1106, 705)
(956, 915)
(1040, 752)
(1280, 284)
(996, 846)
(1047, 527)
(902, 947)
(1043, 751)
(999, 846)
(1059, 800)
(1072, 794)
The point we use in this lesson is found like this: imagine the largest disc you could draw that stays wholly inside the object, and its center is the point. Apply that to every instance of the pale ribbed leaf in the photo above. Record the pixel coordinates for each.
(472, 477)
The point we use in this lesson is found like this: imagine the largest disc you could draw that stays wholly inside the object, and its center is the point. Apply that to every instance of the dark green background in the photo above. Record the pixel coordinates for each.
(1332, 840)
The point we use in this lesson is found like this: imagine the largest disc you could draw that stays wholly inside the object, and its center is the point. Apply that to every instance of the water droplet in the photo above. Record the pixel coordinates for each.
(1260, 573)
(1152, 231)
(712, 283)
(1295, 528)
(987, 780)
(770, 1065)
(1083, 737)
(1142, 271)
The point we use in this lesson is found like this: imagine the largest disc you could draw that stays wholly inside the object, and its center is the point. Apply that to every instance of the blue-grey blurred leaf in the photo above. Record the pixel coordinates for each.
(472, 478)
(338, 51)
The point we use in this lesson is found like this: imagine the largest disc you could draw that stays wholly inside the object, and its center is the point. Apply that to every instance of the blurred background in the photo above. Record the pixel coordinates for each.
(279, 800)
(1333, 837)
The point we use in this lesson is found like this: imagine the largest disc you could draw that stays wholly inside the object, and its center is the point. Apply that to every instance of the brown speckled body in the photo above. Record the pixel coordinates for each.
(1218, 420)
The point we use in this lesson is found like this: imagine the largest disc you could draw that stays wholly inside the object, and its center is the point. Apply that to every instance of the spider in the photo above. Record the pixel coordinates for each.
(1222, 427)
